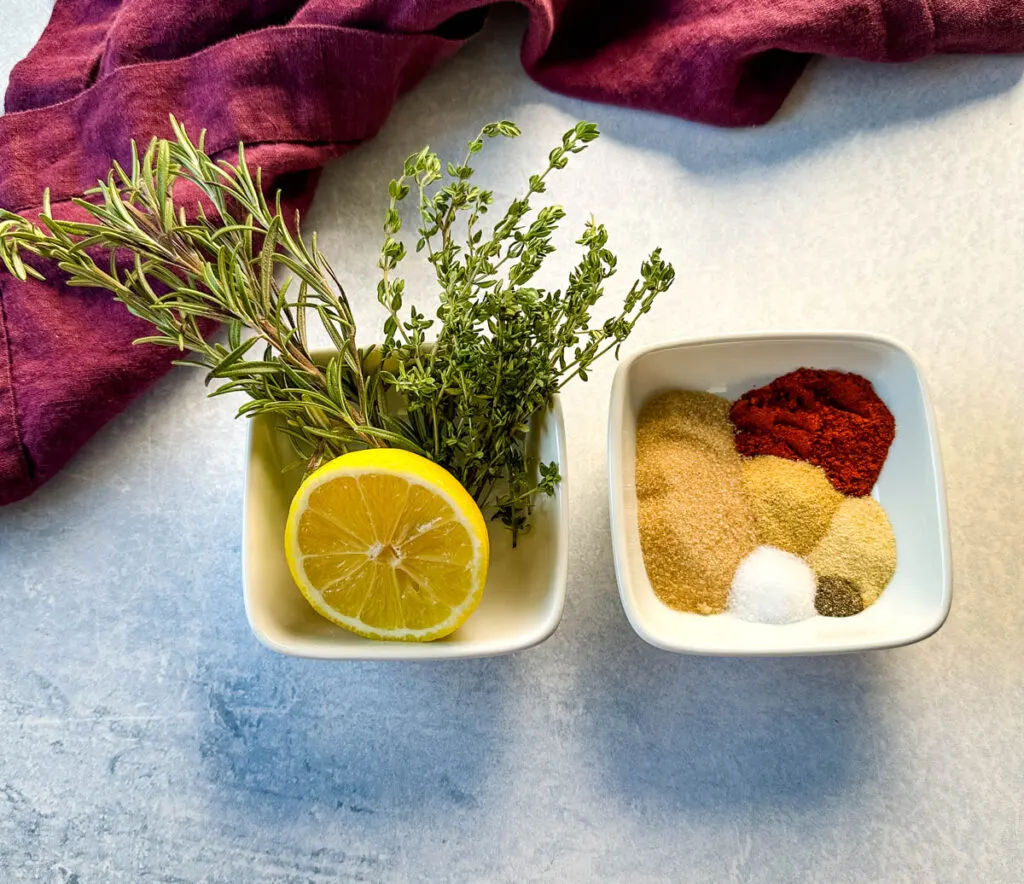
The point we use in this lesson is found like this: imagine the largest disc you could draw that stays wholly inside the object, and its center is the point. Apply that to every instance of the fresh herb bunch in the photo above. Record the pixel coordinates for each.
(504, 347)
(467, 399)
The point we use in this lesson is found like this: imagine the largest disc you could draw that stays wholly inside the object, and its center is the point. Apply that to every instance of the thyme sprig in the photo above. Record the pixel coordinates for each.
(466, 399)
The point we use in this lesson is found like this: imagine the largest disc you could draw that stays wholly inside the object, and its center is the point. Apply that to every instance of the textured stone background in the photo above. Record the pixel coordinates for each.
(146, 736)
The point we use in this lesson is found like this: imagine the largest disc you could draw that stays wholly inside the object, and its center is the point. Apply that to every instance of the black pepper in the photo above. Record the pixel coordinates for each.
(837, 597)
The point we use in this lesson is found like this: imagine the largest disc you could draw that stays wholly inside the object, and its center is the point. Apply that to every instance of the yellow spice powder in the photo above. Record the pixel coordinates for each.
(792, 502)
(859, 546)
(695, 524)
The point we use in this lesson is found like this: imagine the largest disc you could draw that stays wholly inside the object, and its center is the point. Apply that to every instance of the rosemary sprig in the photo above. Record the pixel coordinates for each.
(466, 400)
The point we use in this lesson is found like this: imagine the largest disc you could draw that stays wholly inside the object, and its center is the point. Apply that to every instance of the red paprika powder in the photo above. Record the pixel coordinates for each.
(832, 419)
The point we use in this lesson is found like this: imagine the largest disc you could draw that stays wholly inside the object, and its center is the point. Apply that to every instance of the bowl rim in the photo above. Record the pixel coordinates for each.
(616, 492)
(411, 652)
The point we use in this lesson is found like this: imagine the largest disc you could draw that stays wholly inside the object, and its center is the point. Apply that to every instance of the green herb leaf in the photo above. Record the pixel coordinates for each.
(467, 399)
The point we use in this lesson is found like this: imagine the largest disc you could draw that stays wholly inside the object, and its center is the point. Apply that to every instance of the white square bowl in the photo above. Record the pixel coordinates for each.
(910, 487)
(523, 597)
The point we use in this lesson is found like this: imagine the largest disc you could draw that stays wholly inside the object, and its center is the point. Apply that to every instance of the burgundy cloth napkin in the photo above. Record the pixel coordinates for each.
(305, 81)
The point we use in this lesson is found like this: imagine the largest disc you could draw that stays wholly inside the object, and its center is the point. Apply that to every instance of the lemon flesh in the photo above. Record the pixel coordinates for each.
(389, 545)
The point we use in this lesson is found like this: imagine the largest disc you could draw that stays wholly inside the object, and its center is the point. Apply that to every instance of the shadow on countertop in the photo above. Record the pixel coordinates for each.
(355, 739)
(834, 100)
(709, 736)
(712, 738)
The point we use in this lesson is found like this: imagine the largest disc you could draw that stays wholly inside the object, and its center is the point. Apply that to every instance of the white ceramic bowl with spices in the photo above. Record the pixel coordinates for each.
(522, 600)
(910, 488)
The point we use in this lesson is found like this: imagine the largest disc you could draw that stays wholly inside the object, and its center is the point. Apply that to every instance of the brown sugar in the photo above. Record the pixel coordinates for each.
(695, 523)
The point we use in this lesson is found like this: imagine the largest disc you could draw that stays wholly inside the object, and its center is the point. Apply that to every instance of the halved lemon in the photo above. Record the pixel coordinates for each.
(389, 545)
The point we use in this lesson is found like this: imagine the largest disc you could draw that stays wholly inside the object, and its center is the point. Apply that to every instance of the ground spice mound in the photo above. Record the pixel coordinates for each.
(859, 546)
(695, 525)
(832, 419)
(837, 597)
(792, 502)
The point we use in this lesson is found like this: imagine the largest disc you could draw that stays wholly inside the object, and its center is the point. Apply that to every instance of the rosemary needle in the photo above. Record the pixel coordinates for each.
(503, 346)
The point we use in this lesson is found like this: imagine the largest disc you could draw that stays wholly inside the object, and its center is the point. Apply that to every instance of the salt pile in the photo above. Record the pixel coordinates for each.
(773, 586)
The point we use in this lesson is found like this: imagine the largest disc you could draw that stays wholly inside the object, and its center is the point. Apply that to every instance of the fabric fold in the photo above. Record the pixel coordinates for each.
(303, 82)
